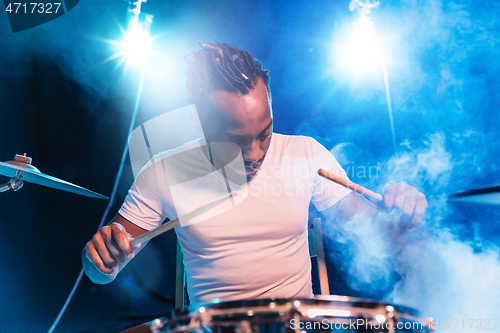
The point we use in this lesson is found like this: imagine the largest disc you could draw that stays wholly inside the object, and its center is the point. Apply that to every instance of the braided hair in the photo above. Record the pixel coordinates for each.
(221, 66)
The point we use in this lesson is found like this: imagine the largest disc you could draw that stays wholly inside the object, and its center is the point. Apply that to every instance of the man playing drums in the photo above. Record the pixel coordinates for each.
(258, 248)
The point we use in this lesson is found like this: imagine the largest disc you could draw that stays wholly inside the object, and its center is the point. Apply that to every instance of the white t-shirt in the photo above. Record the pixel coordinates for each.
(255, 246)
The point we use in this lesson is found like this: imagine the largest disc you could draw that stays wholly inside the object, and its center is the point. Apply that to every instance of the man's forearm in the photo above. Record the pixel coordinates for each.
(365, 225)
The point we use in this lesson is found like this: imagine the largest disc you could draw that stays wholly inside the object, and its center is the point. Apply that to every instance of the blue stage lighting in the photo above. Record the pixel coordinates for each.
(357, 49)
(361, 49)
(136, 44)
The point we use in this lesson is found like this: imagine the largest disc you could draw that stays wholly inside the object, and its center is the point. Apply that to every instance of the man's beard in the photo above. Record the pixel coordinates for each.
(252, 167)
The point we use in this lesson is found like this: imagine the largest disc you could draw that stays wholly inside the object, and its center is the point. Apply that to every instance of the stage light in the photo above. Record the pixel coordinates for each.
(356, 48)
(357, 51)
(361, 50)
(136, 44)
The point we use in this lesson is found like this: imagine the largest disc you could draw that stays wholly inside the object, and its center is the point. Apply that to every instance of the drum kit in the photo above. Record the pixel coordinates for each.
(321, 314)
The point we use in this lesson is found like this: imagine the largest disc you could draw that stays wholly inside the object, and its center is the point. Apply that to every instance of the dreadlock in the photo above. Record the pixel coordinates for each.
(221, 66)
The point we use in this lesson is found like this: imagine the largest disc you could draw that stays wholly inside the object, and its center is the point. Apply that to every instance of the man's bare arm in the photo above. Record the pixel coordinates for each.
(109, 250)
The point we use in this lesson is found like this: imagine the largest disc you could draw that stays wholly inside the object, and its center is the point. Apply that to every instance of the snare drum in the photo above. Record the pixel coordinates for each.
(323, 314)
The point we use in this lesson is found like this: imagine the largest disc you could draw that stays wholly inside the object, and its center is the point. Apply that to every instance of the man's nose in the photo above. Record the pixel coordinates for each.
(252, 152)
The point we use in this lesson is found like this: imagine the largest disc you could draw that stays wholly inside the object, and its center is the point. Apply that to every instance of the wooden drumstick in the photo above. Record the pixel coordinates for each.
(350, 185)
(175, 222)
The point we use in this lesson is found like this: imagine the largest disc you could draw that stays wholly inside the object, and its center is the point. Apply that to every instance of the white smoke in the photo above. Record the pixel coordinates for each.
(439, 274)
(446, 279)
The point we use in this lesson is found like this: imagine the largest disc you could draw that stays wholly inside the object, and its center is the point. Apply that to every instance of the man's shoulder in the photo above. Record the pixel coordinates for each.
(188, 146)
(287, 140)
(189, 152)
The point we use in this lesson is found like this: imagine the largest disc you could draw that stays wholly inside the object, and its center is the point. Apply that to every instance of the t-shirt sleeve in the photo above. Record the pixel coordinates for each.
(144, 202)
(326, 193)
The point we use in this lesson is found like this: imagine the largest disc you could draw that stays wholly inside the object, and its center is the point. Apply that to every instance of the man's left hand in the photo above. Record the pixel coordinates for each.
(409, 203)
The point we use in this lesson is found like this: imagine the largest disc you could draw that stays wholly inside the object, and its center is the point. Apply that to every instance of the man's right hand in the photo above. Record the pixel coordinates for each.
(109, 250)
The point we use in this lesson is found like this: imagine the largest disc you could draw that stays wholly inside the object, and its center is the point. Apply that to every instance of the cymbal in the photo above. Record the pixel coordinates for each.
(33, 175)
(485, 196)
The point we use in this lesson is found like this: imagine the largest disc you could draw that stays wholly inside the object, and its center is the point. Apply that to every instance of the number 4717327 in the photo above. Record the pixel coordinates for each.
(40, 7)
(479, 323)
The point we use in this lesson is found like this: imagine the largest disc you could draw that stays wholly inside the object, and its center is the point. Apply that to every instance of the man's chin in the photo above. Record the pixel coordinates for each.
(252, 170)
(251, 176)
(241, 176)
(251, 173)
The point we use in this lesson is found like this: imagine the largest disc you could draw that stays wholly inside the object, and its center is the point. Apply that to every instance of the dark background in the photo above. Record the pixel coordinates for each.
(66, 104)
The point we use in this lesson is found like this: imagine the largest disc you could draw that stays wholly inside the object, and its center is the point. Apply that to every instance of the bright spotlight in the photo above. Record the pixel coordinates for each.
(356, 50)
(137, 41)
(136, 44)
(355, 45)
(361, 49)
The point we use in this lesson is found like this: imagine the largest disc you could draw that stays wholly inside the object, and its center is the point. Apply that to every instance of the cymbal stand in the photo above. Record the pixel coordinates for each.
(15, 183)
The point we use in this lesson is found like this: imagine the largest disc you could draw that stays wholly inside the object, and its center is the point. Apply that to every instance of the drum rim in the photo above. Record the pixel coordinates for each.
(348, 301)
(285, 308)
